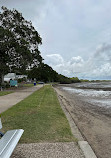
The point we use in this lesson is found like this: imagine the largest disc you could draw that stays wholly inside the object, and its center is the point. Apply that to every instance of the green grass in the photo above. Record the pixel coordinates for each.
(5, 92)
(28, 85)
(41, 116)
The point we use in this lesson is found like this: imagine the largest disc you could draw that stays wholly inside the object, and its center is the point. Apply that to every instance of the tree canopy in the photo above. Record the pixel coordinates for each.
(45, 73)
(18, 43)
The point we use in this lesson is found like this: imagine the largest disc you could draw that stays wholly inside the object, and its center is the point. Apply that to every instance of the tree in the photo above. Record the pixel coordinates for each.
(43, 73)
(18, 43)
(63, 79)
(74, 79)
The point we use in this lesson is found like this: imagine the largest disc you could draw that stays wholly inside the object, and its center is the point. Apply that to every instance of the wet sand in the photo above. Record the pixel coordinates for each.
(94, 122)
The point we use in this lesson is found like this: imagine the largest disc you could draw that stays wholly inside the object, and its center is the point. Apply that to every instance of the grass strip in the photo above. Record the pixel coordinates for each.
(5, 92)
(41, 116)
(28, 85)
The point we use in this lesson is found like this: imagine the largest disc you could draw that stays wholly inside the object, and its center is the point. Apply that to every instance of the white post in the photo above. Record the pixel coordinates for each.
(0, 124)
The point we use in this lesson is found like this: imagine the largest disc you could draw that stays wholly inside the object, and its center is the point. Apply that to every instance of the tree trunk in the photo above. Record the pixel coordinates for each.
(1, 79)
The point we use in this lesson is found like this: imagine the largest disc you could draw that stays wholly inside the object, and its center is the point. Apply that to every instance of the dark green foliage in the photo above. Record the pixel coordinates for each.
(43, 73)
(18, 43)
(7, 85)
(21, 80)
(84, 80)
(47, 74)
(74, 79)
(63, 79)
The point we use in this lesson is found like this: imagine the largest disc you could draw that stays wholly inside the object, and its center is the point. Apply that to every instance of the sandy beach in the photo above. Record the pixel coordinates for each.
(94, 122)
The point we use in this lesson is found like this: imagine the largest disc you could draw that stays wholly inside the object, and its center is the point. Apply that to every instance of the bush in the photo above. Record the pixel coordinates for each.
(7, 85)
(3, 85)
(74, 79)
(21, 80)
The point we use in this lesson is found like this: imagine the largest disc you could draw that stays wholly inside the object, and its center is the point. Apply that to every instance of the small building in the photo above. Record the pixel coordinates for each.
(21, 76)
(13, 76)
(9, 76)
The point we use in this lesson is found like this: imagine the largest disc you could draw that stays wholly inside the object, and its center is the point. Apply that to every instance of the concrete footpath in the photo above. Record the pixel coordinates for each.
(10, 100)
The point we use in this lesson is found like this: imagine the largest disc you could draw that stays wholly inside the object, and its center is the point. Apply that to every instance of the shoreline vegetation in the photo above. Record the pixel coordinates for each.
(41, 117)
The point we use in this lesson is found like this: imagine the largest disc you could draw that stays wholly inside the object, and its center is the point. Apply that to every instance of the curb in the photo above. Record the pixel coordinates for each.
(86, 149)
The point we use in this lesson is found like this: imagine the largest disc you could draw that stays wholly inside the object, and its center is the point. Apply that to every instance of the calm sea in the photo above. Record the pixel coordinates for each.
(97, 93)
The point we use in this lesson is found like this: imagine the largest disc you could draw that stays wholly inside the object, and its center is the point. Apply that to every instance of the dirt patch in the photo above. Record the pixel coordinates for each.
(94, 122)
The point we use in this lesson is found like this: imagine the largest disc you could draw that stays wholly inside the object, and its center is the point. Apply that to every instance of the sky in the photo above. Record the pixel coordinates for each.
(76, 34)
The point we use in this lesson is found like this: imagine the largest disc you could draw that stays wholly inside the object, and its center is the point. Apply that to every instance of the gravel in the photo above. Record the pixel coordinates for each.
(48, 150)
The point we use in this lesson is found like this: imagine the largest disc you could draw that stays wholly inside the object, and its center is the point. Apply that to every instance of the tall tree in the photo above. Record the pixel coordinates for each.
(43, 73)
(18, 43)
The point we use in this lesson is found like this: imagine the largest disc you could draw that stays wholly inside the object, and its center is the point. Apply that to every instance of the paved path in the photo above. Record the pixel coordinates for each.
(9, 100)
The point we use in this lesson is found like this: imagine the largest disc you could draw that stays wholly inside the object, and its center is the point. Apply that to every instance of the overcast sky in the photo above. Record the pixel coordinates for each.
(76, 34)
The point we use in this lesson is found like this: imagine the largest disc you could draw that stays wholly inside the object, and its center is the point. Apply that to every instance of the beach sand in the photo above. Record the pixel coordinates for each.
(94, 122)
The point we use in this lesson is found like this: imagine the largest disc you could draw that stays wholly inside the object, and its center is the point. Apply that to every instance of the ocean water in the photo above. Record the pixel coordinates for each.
(95, 93)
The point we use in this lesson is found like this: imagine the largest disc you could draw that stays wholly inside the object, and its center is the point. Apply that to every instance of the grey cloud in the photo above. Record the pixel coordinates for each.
(103, 53)
(103, 48)
(77, 66)
(30, 9)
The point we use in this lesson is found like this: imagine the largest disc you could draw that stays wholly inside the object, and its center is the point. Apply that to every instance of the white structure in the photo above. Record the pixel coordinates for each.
(21, 76)
(9, 76)
(13, 76)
